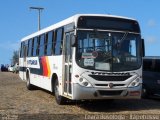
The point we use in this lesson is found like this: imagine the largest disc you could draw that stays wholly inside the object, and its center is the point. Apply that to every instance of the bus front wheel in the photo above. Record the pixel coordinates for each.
(59, 99)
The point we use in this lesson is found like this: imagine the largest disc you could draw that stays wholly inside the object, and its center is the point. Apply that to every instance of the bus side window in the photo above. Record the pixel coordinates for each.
(35, 46)
(41, 45)
(22, 50)
(59, 38)
(29, 48)
(49, 44)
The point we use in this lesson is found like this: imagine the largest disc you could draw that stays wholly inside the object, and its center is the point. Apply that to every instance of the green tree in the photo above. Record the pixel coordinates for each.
(15, 57)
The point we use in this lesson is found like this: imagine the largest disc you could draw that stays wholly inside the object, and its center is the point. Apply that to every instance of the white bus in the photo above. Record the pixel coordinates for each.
(85, 57)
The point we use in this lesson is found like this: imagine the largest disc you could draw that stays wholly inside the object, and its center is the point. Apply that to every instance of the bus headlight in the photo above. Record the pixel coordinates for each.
(84, 82)
(135, 82)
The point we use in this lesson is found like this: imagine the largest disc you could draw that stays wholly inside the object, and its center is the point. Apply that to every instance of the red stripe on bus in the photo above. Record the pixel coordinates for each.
(44, 64)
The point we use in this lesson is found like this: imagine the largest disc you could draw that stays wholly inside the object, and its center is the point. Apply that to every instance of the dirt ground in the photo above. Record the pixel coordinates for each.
(16, 102)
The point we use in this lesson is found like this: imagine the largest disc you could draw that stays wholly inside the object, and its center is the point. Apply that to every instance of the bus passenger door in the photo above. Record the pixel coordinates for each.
(68, 64)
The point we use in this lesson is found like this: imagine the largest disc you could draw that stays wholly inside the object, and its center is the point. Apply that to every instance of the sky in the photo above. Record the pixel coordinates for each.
(18, 21)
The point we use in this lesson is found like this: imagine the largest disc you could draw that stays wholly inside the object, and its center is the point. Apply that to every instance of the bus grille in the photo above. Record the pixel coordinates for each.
(110, 78)
(109, 93)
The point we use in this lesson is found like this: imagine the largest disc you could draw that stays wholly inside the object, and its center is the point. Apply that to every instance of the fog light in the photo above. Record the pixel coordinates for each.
(133, 84)
(85, 83)
(81, 80)
(77, 76)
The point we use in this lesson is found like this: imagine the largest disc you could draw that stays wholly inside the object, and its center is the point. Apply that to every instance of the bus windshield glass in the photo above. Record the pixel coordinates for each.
(108, 51)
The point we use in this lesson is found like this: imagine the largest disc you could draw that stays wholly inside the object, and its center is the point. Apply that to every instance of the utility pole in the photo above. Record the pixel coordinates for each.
(39, 15)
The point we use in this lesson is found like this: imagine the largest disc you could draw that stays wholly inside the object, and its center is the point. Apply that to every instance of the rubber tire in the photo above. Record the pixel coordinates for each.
(28, 84)
(59, 99)
(145, 94)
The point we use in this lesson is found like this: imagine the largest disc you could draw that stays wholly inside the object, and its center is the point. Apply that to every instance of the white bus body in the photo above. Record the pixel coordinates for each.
(81, 58)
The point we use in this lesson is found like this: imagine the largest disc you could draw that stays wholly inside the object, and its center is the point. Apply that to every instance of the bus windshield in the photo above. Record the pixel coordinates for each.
(108, 51)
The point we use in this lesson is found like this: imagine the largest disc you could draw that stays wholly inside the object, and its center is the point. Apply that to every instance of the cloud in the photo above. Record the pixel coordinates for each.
(151, 23)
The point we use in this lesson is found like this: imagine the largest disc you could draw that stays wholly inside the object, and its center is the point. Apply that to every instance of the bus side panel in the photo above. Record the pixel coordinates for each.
(48, 65)
(56, 65)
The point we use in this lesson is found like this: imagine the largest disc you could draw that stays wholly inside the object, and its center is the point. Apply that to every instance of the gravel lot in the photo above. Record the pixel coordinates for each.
(16, 102)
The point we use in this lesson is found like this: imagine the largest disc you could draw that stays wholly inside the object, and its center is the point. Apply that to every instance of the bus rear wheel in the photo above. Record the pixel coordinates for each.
(59, 99)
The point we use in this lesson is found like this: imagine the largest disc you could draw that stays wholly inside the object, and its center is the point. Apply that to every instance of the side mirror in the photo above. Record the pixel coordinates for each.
(143, 48)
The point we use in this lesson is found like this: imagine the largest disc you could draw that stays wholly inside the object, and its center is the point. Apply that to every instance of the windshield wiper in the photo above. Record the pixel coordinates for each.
(121, 40)
(124, 37)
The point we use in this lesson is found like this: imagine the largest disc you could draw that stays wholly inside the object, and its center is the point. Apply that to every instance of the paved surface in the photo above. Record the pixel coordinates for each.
(16, 102)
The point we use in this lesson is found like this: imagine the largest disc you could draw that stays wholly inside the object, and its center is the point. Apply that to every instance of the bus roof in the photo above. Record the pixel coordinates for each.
(68, 21)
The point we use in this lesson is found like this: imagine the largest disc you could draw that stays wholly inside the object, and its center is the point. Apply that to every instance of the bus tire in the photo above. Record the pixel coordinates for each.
(59, 99)
(29, 85)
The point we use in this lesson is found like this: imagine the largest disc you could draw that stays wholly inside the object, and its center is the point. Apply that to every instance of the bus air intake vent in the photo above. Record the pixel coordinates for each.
(110, 78)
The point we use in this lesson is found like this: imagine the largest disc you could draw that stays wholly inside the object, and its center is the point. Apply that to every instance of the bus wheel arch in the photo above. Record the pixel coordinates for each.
(55, 90)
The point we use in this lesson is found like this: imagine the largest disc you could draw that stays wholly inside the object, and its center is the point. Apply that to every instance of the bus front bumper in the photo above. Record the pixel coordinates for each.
(84, 93)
